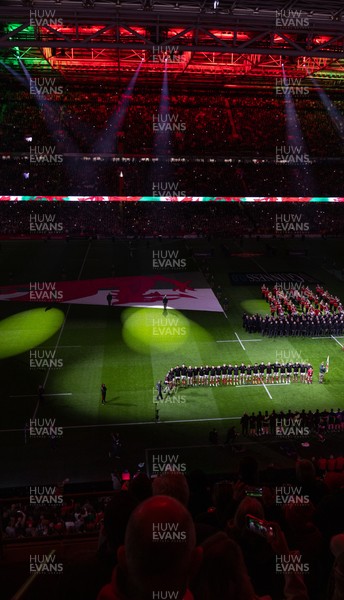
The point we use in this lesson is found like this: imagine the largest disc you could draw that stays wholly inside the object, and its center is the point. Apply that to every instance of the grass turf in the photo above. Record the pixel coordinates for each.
(120, 347)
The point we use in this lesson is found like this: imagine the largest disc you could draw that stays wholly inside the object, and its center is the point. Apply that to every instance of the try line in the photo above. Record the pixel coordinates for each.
(62, 328)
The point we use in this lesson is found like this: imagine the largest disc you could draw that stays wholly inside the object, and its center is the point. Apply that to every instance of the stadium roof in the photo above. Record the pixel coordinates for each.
(239, 43)
(318, 8)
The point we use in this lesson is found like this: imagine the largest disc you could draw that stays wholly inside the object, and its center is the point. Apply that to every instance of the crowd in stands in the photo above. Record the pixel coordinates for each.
(252, 537)
(132, 219)
(36, 517)
(75, 176)
(282, 423)
(227, 557)
(219, 128)
(203, 124)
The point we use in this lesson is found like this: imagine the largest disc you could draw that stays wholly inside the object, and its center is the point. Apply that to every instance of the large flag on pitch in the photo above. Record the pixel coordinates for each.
(327, 364)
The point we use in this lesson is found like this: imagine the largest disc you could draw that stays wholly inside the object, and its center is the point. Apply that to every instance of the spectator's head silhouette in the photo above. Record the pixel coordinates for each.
(248, 506)
(174, 484)
(223, 573)
(305, 471)
(160, 552)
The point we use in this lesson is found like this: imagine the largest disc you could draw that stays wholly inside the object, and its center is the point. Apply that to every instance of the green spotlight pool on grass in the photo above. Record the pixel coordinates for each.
(148, 330)
(255, 306)
(28, 329)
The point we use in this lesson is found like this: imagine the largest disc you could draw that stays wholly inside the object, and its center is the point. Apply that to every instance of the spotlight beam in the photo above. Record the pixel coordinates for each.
(335, 116)
(297, 149)
(161, 125)
(115, 123)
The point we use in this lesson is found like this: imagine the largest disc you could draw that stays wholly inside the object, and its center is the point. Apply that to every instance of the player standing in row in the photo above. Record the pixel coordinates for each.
(249, 371)
(230, 374)
(242, 372)
(196, 371)
(224, 374)
(190, 375)
(255, 377)
(236, 375)
(268, 378)
(177, 372)
(289, 372)
(303, 372)
(283, 371)
(276, 376)
(218, 372)
(183, 374)
(310, 374)
(206, 372)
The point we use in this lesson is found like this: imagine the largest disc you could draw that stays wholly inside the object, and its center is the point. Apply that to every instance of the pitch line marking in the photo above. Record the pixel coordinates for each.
(267, 391)
(134, 423)
(56, 346)
(242, 442)
(63, 326)
(245, 385)
(328, 337)
(236, 341)
(45, 347)
(45, 395)
(239, 340)
(337, 341)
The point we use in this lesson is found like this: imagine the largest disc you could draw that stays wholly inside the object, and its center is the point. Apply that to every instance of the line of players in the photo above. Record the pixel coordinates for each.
(239, 374)
(295, 325)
